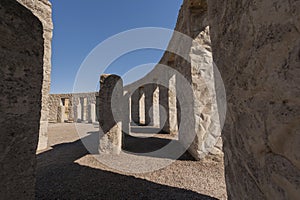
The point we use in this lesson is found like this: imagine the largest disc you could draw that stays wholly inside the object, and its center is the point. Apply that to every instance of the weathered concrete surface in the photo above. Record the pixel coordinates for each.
(43, 10)
(55, 100)
(149, 92)
(135, 107)
(61, 114)
(164, 114)
(126, 113)
(21, 72)
(191, 56)
(92, 113)
(198, 71)
(74, 108)
(142, 105)
(256, 46)
(110, 114)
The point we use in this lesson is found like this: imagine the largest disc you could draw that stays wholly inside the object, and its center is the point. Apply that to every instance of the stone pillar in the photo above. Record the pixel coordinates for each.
(92, 113)
(79, 110)
(256, 46)
(84, 109)
(142, 106)
(61, 114)
(42, 9)
(173, 106)
(156, 106)
(149, 90)
(206, 116)
(110, 114)
(164, 109)
(126, 113)
(21, 83)
(97, 108)
(135, 107)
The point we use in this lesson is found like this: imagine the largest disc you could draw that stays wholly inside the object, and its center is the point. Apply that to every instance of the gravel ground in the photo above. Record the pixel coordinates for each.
(66, 170)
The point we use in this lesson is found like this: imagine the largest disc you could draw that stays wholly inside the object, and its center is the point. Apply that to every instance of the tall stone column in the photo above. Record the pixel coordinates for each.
(142, 106)
(92, 113)
(97, 107)
(172, 106)
(135, 107)
(261, 75)
(61, 114)
(156, 106)
(78, 112)
(84, 106)
(21, 85)
(149, 92)
(43, 11)
(110, 114)
(164, 109)
(126, 113)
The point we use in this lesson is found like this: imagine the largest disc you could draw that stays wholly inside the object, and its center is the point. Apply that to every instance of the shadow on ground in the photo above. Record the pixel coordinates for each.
(58, 177)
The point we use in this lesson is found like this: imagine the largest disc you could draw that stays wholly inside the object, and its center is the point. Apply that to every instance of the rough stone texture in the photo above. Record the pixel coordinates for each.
(164, 114)
(55, 100)
(156, 106)
(135, 107)
(43, 10)
(21, 72)
(149, 90)
(110, 114)
(78, 115)
(92, 113)
(126, 114)
(61, 114)
(203, 123)
(173, 122)
(142, 106)
(84, 109)
(256, 46)
(193, 22)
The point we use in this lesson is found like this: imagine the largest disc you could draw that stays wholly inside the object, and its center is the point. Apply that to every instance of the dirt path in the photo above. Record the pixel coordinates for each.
(67, 170)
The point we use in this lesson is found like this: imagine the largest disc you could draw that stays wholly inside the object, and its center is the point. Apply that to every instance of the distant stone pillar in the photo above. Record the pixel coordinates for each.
(149, 92)
(61, 114)
(92, 113)
(110, 114)
(142, 106)
(97, 108)
(164, 109)
(172, 106)
(84, 109)
(78, 118)
(156, 106)
(126, 113)
(135, 107)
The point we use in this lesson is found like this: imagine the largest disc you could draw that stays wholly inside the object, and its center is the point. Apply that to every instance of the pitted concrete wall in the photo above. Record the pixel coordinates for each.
(256, 46)
(21, 72)
(43, 10)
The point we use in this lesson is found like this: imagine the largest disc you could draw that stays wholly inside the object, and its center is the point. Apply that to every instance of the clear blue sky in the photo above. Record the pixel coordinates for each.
(80, 25)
